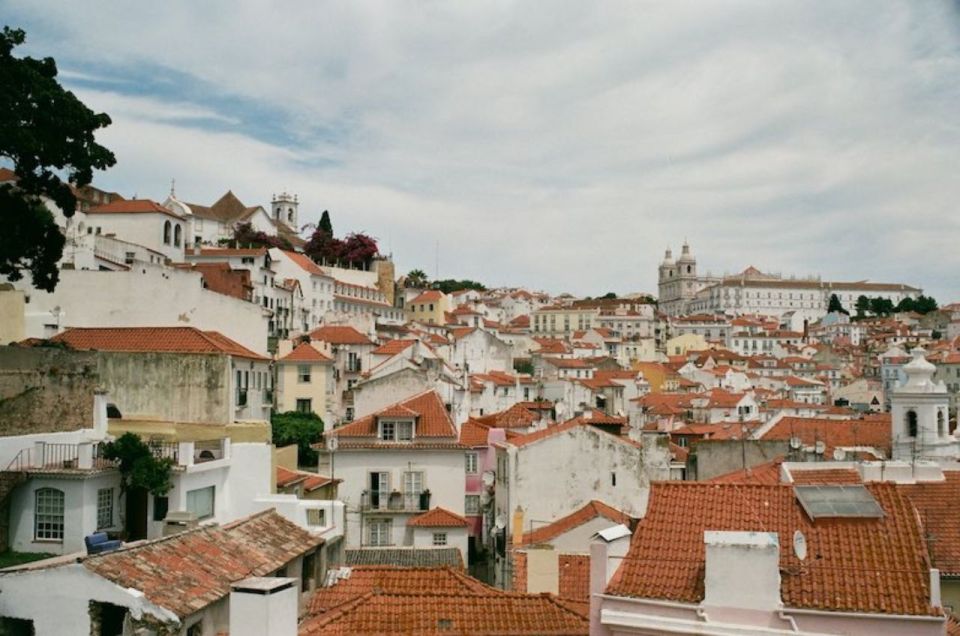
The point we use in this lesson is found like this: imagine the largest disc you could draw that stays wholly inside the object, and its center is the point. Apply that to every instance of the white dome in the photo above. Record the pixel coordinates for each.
(920, 375)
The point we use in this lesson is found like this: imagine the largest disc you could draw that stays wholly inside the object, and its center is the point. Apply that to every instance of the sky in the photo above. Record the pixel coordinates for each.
(554, 145)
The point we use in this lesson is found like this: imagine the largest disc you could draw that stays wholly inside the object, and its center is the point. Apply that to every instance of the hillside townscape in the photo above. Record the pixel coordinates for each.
(256, 416)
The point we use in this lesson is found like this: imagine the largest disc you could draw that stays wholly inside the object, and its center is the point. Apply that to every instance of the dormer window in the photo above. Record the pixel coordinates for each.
(396, 430)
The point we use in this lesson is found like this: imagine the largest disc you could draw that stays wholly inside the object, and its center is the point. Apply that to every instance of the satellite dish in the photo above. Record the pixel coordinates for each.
(500, 524)
(332, 443)
(820, 447)
(795, 443)
(488, 478)
(839, 454)
(799, 545)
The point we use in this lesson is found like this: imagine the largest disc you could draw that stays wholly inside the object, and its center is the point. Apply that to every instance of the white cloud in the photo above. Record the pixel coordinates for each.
(560, 145)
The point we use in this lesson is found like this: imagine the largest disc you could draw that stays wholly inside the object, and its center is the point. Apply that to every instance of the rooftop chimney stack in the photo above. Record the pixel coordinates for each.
(742, 570)
(100, 413)
(264, 606)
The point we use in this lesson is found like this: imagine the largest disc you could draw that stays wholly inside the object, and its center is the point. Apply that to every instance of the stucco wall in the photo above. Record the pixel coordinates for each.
(711, 458)
(148, 295)
(11, 316)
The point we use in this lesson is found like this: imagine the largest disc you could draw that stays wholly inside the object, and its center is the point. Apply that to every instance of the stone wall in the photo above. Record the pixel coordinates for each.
(46, 389)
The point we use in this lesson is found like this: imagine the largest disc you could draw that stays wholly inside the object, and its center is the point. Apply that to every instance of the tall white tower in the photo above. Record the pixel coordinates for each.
(919, 414)
(284, 208)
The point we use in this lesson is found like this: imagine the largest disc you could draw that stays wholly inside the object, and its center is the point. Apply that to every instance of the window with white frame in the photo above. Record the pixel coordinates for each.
(439, 538)
(471, 462)
(201, 501)
(104, 508)
(303, 373)
(396, 430)
(48, 515)
(471, 505)
(379, 532)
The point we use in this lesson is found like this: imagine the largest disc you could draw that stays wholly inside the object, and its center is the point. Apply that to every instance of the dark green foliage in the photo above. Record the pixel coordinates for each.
(450, 285)
(881, 306)
(922, 304)
(836, 306)
(302, 429)
(325, 223)
(608, 296)
(862, 306)
(138, 466)
(523, 366)
(48, 134)
(245, 236)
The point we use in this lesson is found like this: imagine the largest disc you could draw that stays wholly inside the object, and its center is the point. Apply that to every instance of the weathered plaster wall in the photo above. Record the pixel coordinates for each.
(711, 458)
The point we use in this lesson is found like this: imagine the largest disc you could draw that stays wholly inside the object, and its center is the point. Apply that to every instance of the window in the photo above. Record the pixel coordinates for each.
(379, 532)
(308, 571)
(48, 515)
(201, 501)
(940, 427)
(303, 373)
(912, 423)
(160, 507)
(177, 234)
(393, 431)
(388, 430)
(316, 517)
(104, 508)
(304, 406)
(439, 538)
(166, 232)
(613, 479)
(412, 487)
(471, 462)
(471, 505)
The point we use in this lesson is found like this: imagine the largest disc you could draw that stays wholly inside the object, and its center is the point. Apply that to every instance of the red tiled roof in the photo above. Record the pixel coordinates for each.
(427, 296)
(339, 335)
(438, 518)
(311, 481)
(393, 347)
(153, 339)
(551, 345)
(872, 432)
(768, 473)
(438, 613)
(305, 263)
(517, 416)
(390, 579)
(474, 434)
(593, 510)
(573, 572)
(187, 572)
(822, 476)
(936, 502)
(874, 565)
(433, 424)
(304, 352)
(133, 206)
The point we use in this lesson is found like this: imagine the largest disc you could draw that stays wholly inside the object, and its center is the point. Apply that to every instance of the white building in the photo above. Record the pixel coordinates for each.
(397, 464)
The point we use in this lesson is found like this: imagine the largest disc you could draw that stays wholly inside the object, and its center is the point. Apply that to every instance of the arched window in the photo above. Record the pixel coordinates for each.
(688, 269)
(912, 423)
(941, 428)
(177, 232)
(48, 515)
(166, 233)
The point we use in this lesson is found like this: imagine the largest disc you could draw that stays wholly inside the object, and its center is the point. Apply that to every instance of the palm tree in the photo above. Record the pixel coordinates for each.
(417, 278)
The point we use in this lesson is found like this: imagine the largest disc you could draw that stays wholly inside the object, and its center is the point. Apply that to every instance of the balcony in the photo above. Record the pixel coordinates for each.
(374, 501)
(47, 457)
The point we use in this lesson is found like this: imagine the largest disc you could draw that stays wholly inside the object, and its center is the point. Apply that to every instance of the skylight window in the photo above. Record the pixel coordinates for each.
(825, 502)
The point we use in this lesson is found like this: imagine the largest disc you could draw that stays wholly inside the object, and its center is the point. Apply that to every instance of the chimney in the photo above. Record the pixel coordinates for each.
(543, 570)
(100, 412)
(517, 528)
(607, 551)
(742, 570)
(264, 606)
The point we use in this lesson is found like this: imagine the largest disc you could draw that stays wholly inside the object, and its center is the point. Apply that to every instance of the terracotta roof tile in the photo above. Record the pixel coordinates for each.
(767, 473)
(517, 416)
(872, 432)
(439, 613)
(305, 263)
(304, 352)
(593, 510)
(936, 502)
(823, 476)
(153, 339)
(438, 518)
(429, 295)
(393, 347)
(188, 571)
(406, 557)
(865, 565)
(434, 428)
(335, 334)
(474, 434)
(133, 206)
(390, 579)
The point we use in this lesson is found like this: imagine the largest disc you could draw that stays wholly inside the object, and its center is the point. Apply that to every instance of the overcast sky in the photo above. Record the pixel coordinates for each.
(559, 146)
